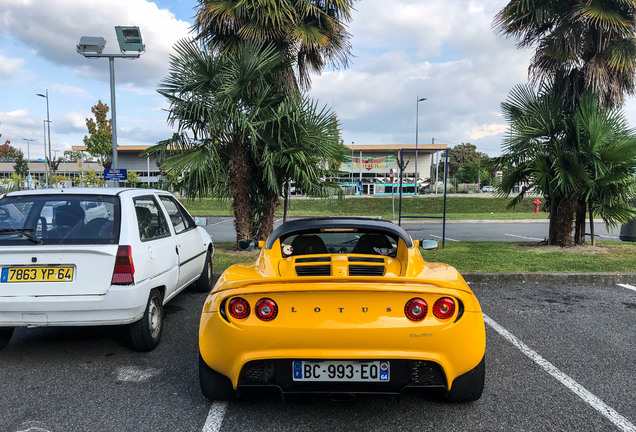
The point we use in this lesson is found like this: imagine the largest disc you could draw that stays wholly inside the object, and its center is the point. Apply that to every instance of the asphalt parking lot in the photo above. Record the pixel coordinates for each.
(559, 357)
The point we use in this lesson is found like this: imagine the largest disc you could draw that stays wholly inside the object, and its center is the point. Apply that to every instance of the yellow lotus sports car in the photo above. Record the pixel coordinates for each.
(342, 305)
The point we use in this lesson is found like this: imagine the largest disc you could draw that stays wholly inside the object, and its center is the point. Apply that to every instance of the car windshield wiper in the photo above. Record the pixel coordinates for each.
(24, 232)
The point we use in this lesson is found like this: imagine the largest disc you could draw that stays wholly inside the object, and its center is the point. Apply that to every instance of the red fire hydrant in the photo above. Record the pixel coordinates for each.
(537, 203)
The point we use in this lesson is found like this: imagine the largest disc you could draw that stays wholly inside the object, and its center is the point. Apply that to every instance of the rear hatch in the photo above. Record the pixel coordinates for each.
(57, 243)
(50, 271)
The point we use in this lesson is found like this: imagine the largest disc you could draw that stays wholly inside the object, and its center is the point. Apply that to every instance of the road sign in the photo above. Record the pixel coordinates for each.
(115, 174)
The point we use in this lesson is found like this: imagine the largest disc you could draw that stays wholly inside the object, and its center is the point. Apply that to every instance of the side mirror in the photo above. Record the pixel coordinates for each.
(429, 244)
(200, 221)
(247, 245)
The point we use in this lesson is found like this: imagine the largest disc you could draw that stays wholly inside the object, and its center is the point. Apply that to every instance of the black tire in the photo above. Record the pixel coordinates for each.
(145, 334)
(469, 386)
(5, 336)
(204, 283)
(215, 386)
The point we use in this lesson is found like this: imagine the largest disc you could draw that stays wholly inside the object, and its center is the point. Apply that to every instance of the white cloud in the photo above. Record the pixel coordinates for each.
(489, 130)
(55, 39)
(10, 68)
(443, 50)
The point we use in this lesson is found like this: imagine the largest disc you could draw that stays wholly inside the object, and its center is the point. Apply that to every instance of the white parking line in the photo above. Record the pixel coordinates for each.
(630, 287)
(527, 238)
(215, 417)
(618, 420)
(449, 239)
(135, 374)
(223, 221)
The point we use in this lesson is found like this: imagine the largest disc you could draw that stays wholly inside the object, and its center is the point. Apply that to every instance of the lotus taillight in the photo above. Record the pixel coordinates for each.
(239, 308)
(266, 309)
(415, 309)
(444, 308)
(124, 271)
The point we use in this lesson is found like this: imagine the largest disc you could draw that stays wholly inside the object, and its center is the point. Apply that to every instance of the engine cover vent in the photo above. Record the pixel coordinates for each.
(365, 270)
(313, 270)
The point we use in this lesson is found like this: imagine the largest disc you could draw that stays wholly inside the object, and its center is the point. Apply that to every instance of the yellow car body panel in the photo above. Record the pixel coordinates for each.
(341, 316)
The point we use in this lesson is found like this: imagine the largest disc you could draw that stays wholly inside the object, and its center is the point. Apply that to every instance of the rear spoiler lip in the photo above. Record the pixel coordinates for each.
(353, 283)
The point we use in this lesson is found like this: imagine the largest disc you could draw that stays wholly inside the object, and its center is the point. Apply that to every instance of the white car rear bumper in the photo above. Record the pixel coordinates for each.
(120, 305)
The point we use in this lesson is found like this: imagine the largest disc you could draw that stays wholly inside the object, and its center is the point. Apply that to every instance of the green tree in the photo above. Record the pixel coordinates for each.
(58, 179)
(580, 45)
(75, 155)
(460, 155)
(468, 173)
(239, 136)
(21, 167)
(311, 33)
(99, 141)
(8, 152)
(133, 178)
(587, 157)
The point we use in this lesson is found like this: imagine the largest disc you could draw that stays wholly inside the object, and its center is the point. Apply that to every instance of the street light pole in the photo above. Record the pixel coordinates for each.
(48, 122)
(46, 168)
(28, 140)
(417, 122)
(129, 39)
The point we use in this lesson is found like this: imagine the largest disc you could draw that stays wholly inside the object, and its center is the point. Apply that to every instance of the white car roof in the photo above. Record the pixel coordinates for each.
(85, 191)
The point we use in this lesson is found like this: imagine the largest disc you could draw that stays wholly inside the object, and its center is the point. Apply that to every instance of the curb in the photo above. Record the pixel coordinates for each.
(550, 278)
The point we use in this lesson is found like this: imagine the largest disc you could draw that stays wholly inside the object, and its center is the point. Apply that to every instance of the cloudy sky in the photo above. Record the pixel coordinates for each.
(444, 50)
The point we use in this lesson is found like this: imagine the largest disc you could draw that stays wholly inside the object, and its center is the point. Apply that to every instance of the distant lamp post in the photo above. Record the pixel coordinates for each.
(129, 39)
(417, 123)
(28, 140)
(48, 123)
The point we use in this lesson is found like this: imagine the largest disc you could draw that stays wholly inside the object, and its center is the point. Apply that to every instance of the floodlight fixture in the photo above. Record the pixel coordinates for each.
(129, 38)
(91, 44)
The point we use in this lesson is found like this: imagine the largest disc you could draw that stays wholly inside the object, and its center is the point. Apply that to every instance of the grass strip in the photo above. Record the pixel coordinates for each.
(462, 207)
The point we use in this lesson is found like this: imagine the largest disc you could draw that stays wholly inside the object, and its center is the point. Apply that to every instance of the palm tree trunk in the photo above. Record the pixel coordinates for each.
(552, 230)
(564, 217)
(285, 200)
(579, 226)
(238, 188)
(591, 225)
(266, 225)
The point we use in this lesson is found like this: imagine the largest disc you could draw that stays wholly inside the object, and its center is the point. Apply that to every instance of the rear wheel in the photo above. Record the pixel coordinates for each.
(469, 386)
(145, 334)
(204, 283)
(215, 386)
(5, 336)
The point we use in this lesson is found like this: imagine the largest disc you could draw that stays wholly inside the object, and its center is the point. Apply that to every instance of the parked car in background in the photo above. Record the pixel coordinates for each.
(342, 305)
(97, 256)
(488, 189)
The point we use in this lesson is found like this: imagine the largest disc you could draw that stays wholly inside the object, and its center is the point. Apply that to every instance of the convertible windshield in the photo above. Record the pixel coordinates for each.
(353, 241)
(59, 219)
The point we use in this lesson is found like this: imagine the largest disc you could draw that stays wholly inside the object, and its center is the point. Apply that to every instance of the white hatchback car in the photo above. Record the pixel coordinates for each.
(97, 256)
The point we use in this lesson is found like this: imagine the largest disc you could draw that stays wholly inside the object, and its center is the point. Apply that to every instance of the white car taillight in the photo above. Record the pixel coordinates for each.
(124, 271)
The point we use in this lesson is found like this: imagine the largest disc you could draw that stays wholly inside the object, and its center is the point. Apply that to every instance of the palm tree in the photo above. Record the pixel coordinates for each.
(310, 32)
(238, 136)
(587, 158)
(580, 45)
(607, 150)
